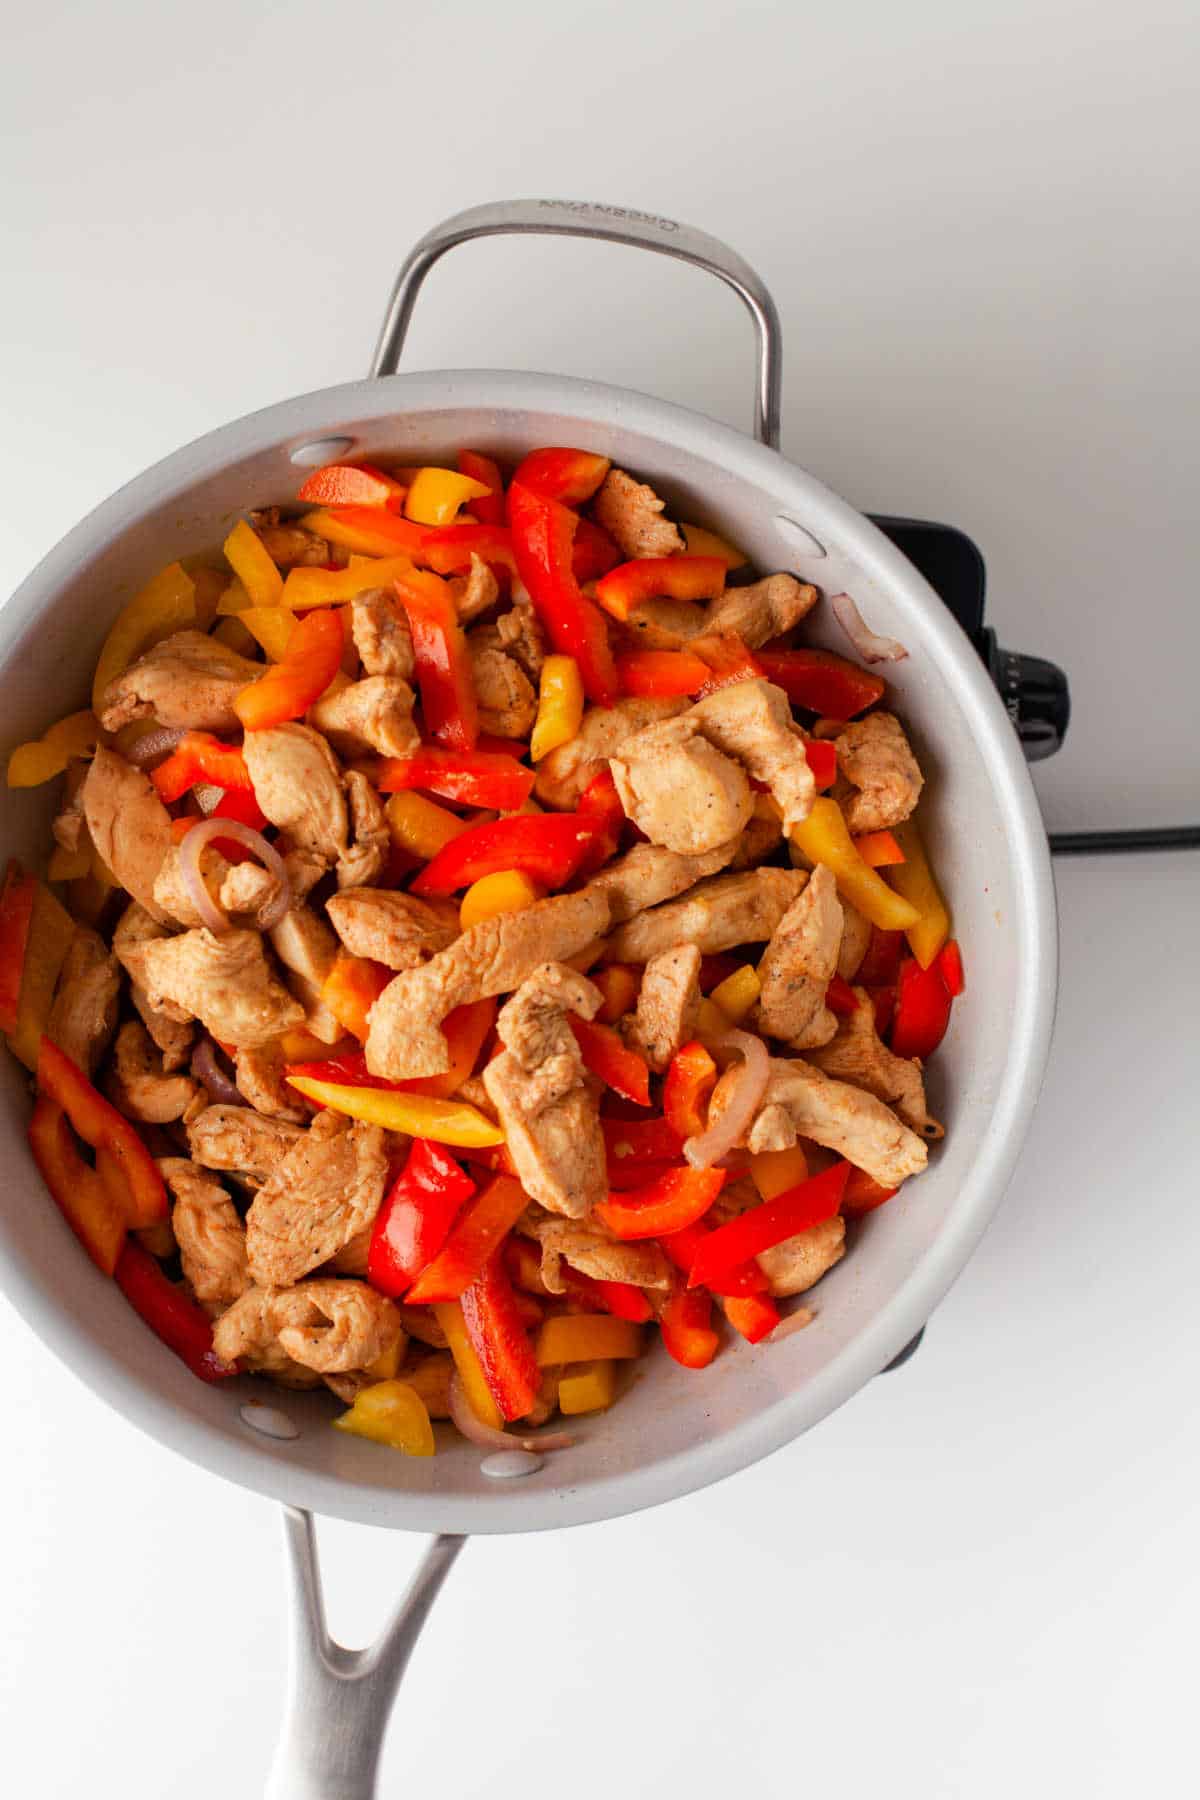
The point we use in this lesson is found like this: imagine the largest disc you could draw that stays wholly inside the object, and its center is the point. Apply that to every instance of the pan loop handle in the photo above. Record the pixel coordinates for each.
(338, 1700)
(613, 225)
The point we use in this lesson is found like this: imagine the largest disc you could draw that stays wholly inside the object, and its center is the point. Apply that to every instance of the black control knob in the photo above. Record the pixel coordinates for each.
(1035, 694)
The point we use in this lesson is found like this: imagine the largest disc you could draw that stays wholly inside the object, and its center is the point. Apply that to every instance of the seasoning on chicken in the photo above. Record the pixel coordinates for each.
(210, 1236)
(796, 1264)
(237, 1137)
(379, 626)
(84, 1014)
(547, 1103)
(493, 957)
(507, 698)
(858, 1056)
(801, 1101)
(875, 758)
(395, 929)
(591, 1250)
(335, 1327)
(649, 874)
(259, 1075)
(716, 915)
(327, 1187)
(763, 609)
(799, 963)
(188, 681)
(668, 1005)
(128, 824)
(563, 775)
(374, 714)
(298, 784)
(225, 982)
(170, 1026)
(138, 1086)
(631, 513)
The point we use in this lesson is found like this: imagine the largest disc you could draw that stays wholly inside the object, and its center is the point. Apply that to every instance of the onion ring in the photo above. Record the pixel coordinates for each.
(704, 1151)
(190, 850)
(870, 645)
(487, 1437)
(208, 1072)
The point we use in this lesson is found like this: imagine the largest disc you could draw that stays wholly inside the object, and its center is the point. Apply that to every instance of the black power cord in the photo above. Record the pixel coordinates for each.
(1100, 843)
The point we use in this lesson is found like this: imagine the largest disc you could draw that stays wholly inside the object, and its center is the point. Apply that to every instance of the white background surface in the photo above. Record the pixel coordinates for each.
(979, 1578)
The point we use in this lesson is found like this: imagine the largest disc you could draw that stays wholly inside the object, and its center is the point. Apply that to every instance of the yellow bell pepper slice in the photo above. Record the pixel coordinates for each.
(560, 706)
(587, 1337)
(233, 600)
(590, 1387)
(701, 542)
(915, 881)
(165, 605)
(251, 562)
(445, 1121)
(391, 1413)
(505, 891)
(271, 626)
(711, 1022)
(233, 634)
(69, 865)
(421, 827)
(449, 1316)
(737, 993)
(51, 929)
(436, 495)
(775, 1171)
(43, 758)
(823, 838)
(387, 1364)
(331, 587)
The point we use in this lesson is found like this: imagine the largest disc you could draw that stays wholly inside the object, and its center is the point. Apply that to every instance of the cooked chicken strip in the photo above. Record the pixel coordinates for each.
(327, 1187)
(236, 1137)
(874, 756)
(799, 963)
(84, 1015)
(390, 927)
(245, 889)
(137, 1085)
(796, 1264)
(260, 1078)
(679, 789)
(128, 823)
(563, 775)
(336, 1326)
(188, 680)
(373, 714)
(856, 935)
(370, 844)
(211, 1237)
(548, 1104)
(648, 874)
(298, 785)
(381, 634)
(752, 722)
(246, 1335)
(763, 609)
(224, 982)
(474, 593)
(493, 957)
(716, 915)
(170, 1026)
(763, 834)
(856, 1055)
(668, 1006)
(520, 634)
(843, 1118)
(589, 1249)
(507, 698)
(631, 513)
(289, 546)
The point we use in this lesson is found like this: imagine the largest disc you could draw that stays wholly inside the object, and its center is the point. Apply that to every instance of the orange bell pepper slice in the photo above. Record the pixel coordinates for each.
(620, 984)
(289, 687)
(606, 1055)
(755, 1316)
(569, 476)
(76, 1187)
(878, 849)
(651, 577)
(351, 988)
(479, 1229)
(863, 1194)
(668, 1204)
(103, 1127)
(686, 1325)
(370, 530)
(353, 484)
(200, 758)
(691, 1078)
(659, 674)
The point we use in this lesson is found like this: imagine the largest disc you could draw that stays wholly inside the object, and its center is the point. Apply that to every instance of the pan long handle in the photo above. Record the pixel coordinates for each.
(613, 225)
(338, 1700)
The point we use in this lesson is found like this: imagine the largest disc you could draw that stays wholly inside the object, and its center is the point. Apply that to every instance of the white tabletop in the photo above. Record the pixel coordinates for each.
(979, 1577)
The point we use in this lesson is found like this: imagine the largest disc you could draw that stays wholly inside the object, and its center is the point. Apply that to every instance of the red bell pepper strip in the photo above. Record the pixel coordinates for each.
(103, 1127)
(863, 1194)
(464, 1030)
(449, 548)
(548, 847)
(244, 808)
(839, 997)
(606, 1054)
(821, 682)
(16, 911)
(684, 1246)
(620, 1298)
(571, 476)
(480, 1228)
(353, 484)
(922, 1010)
(651, 577)
(443, 663)
(599, 809)
(288, 688)
(727, 657)
(472, 777)
(883, 1000)
(822, 760)
(949, 962)
(201, 758)
(594, 553)
(747, 1236)
(633, 1141)
(488, 508)
(79, 1190)
(755, 1316)
(499, 1339)
(624, 1176)
(686, 1325)
(881, 964)
(543, 533)
(676, 1199)
(416, 1217)
(351, 988)
(170, 1313)
(659, 674)
(691, 1077)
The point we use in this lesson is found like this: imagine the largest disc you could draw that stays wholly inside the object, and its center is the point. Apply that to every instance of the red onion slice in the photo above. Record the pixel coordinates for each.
(794, 1322)
(870, 645)
(208, 1071)
(154, 744)
(190, 850)
(735, 1121)
(490, 1439)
